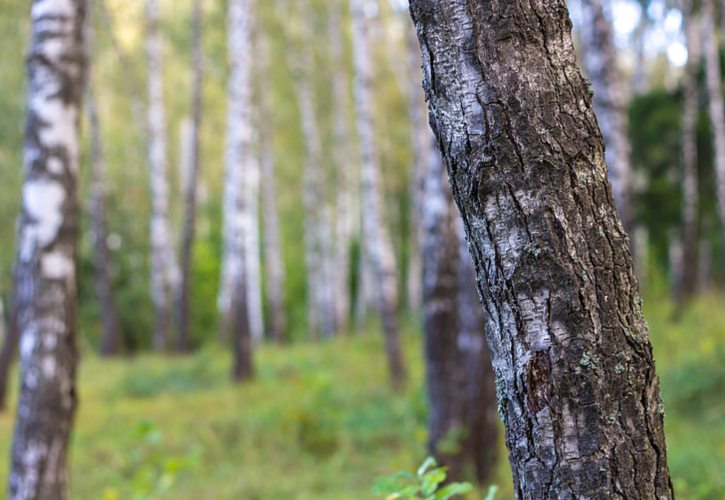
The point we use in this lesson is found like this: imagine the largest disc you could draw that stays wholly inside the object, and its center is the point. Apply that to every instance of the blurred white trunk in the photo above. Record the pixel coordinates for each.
(252, 250)
(600, 61)
(378, 247)
(164, 269)
(714, 89)
(239, 162)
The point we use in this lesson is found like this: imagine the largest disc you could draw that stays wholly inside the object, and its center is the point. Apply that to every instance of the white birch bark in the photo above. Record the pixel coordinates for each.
(715, 102)
(600, 61)
(164, 268)
(46, 289)
(252, 252)
(238, 163)
(321, 309)
(347, 202)
(378, 247)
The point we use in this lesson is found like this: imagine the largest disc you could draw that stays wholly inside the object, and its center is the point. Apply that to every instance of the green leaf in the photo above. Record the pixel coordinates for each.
(491, 495)
(453, 489)
(431, 480)
(427, 464)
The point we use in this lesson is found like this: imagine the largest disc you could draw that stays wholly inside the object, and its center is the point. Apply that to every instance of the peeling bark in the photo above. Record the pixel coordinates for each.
(164, 269)
(46, 291)
(575, 376)
(234, 306)
(190, 180)
(378, 247)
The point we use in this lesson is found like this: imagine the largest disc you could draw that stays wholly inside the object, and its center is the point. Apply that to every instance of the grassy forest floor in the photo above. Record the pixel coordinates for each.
(319, 421)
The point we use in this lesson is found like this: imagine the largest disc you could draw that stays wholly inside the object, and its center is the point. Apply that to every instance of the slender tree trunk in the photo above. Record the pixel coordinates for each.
(111, 336)
(347, 202)
(600, 61)
(8, 351)
(190, 180)
(688, 274)
(252, 250)
(420, 141)
(481, 418)
(239, 156)
(576, 381)
(46, 292)
(322, 311)
(378, 247)
(164, 271)
(641, 74)
(714, 89)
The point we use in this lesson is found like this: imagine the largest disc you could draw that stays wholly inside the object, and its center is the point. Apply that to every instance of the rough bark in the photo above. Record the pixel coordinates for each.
(239, 156)
(600, 62)
(576, 381)
(378, 247)
(715, 102)
(190, 181)
(46, 292)
(164, 270)
(690, 199)
(347, 208)
(111, 333)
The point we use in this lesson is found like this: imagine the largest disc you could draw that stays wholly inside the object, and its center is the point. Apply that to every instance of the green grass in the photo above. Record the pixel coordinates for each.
(319, 421)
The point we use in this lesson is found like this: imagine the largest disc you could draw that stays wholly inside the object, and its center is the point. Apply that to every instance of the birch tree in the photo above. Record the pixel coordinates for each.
(190, 179)
(46, 291)
(111, 334)
(600, 62)
(164, 270)
(347, 208)
(715, 101)
(239, 155)
(688, 283)
(575, 376)
(318, 244)
(378, 248)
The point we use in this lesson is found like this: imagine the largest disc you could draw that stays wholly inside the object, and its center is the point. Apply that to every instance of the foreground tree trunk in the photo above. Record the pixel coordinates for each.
(378, 247)
(189, 231)
(164, 271)
(600, 61)
(239, 155)
(714, 89)
(46, 293)
(576, 381)
(690, 195)
(111, 335)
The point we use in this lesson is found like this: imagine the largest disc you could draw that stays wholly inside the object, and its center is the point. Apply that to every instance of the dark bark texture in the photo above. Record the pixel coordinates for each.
(575, 375)
(46, 292)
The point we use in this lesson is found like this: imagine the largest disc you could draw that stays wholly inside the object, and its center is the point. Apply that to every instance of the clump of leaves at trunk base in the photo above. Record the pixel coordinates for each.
(427, 483)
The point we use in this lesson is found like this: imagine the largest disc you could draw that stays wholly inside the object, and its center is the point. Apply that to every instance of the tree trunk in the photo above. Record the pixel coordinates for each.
(190, 180)
(481, 418)
(714, 89)
(164, 271)
(320, 288)
(252, 251)
(576, 381)
(234, 303)
(688, 273)
(420, 142)
(8, 351)
(111, 335)
(600, 62)
(378, 247)
(46, 292)
(347, 207)
(641, 73)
